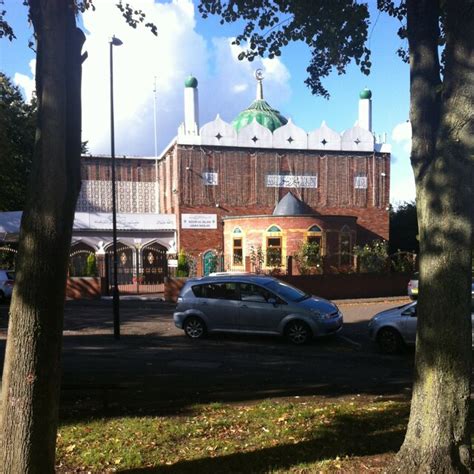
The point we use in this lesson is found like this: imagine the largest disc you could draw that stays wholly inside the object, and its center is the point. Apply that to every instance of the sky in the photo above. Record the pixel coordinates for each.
(187, 44)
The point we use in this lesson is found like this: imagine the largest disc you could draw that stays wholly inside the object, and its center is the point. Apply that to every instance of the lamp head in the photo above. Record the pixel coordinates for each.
(114, 41)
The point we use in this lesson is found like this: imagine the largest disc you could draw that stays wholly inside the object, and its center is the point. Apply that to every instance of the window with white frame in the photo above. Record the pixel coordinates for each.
(360, 182)
(210, 178)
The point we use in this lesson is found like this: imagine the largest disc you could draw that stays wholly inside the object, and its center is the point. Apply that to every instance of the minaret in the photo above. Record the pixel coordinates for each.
(191, 106)
(365, 109)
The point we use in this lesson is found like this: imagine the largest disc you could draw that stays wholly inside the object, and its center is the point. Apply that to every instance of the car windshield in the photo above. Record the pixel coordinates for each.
(287, 292)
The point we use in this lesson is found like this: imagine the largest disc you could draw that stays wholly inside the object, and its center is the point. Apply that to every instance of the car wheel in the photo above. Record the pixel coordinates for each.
(298, 332)
(194, 327)
(389, 341)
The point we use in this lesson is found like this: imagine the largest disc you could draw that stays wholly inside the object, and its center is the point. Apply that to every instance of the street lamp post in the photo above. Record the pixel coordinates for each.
(116, 298)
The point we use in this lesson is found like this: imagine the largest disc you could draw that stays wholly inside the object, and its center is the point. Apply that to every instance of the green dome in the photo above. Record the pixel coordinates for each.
(191, 81)
(365, 94)
(261, 111)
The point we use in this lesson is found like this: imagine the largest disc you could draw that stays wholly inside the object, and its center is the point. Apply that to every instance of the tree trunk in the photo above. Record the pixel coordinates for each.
(31, 377)
(438, 438)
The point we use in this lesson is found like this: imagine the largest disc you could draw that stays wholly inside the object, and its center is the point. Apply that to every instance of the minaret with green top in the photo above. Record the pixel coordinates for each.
(365, 109)
(191, 106)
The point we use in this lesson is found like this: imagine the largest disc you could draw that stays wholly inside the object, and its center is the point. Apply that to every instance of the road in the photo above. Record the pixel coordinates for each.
(154, 362)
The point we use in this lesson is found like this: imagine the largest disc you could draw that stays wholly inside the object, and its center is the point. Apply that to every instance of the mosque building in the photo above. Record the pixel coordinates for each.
(223, 192)
(261, 182)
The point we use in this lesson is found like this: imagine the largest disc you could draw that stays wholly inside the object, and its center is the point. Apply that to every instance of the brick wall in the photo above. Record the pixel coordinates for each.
(241, 189)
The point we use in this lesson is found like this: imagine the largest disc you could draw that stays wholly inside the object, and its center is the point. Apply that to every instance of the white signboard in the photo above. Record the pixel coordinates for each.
(173, 263)
(103, 221)
(199, 221)
(210, 179)
(291, 181)
(360, 182)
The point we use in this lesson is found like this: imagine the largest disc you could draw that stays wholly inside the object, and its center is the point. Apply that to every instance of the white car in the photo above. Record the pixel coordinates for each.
(7, 278)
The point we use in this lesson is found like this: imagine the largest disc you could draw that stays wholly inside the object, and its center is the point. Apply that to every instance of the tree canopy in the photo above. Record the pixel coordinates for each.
(17, 137)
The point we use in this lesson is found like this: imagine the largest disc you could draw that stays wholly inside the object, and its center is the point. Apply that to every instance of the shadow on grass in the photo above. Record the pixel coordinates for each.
(360, 434)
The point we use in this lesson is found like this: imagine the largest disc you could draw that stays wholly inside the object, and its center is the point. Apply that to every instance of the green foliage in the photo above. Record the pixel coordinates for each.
(336, 32)
(91, 265)
(403, 262)
(404, 228)
(274, 257)
(308, 258)
(373, 257)
(183, 265)
(257, 258)
(17, 137)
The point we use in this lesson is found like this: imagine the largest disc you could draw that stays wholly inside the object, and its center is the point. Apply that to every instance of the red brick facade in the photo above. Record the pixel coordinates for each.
(234, 183)
(241, 191)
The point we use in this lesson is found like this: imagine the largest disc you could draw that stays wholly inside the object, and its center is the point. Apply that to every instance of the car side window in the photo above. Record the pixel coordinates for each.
(255, 293)
(411, 311)
(221, 291)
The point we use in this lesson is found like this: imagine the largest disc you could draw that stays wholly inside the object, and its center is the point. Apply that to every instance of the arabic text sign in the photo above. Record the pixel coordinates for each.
(291, 181)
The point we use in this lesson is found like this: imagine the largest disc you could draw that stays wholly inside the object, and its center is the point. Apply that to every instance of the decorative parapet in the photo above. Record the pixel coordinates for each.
(289, 136)
(218, 133)
(324, 138)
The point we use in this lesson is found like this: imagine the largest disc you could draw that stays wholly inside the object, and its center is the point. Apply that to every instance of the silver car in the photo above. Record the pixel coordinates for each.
(253, 304)
(395, 328)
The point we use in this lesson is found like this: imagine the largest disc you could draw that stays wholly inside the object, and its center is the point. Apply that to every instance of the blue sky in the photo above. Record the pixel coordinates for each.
(188, 44)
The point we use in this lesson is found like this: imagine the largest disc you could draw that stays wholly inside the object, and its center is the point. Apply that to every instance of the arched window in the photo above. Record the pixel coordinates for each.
(274, 246)
(345, 245)
(314, 237)
(237, 247)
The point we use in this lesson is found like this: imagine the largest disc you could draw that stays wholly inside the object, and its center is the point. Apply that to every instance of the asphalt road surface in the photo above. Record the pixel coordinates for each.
(153, 362)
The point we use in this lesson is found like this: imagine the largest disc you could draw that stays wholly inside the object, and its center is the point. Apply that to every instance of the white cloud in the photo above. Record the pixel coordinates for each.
(25, 82)
(401, 134)
(226, 85)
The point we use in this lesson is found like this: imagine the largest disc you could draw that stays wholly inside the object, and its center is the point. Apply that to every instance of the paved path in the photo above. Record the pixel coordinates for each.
(154, 364)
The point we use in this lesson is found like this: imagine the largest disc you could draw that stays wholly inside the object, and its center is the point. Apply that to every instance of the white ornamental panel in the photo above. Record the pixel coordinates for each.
(219, 133)
(255, 135)
(290, 136)
(357, 139)
(324, 138)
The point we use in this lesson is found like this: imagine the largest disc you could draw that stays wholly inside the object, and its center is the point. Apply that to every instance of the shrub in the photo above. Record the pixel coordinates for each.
(257, 258)
(308, 258)
(183, 265)
(372, 258)
(403, 262)
(91, 266)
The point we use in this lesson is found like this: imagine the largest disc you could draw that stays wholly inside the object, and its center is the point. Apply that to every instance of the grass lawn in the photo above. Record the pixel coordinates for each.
(299, 435)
